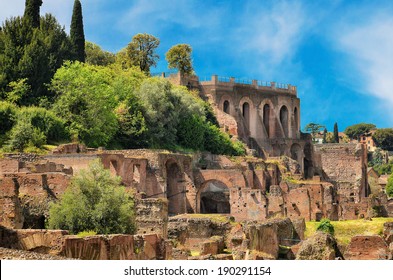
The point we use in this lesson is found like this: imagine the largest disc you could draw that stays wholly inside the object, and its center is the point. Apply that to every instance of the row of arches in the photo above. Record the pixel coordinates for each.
(267, 115)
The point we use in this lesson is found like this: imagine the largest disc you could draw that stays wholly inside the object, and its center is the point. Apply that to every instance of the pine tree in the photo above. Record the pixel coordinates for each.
(77, 34)
(336, 138)
(32, 13)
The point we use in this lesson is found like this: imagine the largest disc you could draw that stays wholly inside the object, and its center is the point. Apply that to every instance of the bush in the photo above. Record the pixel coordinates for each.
(389, 186)
(94, 201)
(326, 226)
(7, 116)
(23, 134)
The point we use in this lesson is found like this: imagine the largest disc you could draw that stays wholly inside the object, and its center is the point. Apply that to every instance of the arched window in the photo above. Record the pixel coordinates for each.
(284, 119)
(226, 106)
(266, 118)
(296, 118)
(246, 113)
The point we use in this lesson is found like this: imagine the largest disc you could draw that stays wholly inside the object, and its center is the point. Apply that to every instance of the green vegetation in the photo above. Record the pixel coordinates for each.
(313, 128)
(354, 131)
(345, 230)
(335, 134)
(326, 226)
(383, 138)
(110, 101)
(77, 35)
(389, 186)
(95, 201)
(179, 57)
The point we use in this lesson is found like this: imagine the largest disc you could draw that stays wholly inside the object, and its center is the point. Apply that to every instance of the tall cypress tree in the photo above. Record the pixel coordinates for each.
(32, 12)
(77, 35)
(336, 138)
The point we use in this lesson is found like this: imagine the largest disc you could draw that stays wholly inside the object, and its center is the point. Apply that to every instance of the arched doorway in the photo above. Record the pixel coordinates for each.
(284, 119)
(246, 113)
(308, 164)
(214, 198)
(226, 107)
(266, 118)
(175, 191)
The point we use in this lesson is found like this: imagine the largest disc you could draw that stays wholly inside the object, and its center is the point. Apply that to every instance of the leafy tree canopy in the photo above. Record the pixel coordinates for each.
(384, 138)
(96, 56)
(179, 57)
(313, 128)
(141, 52)
(354, 131)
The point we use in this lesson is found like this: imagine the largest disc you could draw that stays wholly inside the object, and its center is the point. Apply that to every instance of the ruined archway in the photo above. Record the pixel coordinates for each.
(214, 198)
(266, 118)
(284, 119)
(246, 113)
(296, 120)
(175, 191)
(226, 107)
(296, 153)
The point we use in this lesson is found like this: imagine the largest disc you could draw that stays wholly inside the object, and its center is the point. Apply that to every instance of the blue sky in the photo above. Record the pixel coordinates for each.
(338, 53)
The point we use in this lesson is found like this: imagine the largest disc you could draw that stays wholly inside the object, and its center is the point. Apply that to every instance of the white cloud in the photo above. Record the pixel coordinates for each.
(369, 47)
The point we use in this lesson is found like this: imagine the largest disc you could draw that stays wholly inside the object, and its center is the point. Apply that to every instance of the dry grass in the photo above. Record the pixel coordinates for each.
(218, 218)
(345, 230)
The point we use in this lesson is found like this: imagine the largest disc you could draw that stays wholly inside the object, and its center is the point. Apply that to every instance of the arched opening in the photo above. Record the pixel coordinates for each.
(308, 165)
(175, 191)
(284, 119)
(296, 154)
(296, 119)
(246, 113)
(226, 107)
(113, 167)
(214, 198)
(266, 118)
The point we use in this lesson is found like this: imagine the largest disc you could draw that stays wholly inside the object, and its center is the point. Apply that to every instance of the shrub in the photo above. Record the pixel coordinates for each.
(389, 186)
(23, 134)
(7, 116)
(94, 201)
(326, 226)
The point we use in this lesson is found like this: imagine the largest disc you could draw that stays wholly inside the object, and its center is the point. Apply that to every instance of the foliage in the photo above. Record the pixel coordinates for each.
(313, 128)
(324, 141)
(218, 142)
(95, 201)
(86, 100)
(389, 186)
(191, 132)
(24, 134)
(7, 116)
(141, 51)
(96, 56)
(384, 138)
(31, 54)
(179, 57)
(335, 133)
(326, 226)
(377, 157)
(354, 131)
(77, 34)
(17, 90)
(384, 168)
(32, 13)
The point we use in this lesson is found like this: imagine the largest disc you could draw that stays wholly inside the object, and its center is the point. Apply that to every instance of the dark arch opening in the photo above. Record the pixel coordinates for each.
(246, 113)
(308, 164)
(296, 118)
(284, 119)
(266, 118)
(214, 198)
(175, 190)
(226, 106)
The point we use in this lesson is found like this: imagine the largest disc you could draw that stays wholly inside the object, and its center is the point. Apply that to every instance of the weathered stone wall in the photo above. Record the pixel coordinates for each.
(11, 214)
(152, 217)
(367, 248)
(345, 165)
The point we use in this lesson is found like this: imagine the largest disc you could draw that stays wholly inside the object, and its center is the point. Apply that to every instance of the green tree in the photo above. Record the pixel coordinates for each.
(18, 89)
(354, 131)
(86, 100)
(384, 138)
(77, 34)
(326, 226)
(335, 133)
(313, 128)
(8, 113)
(141, 51)
(94, 201)
(179, 57)
(389, 186)
(324, 141)
(96, 56)
(32, 13)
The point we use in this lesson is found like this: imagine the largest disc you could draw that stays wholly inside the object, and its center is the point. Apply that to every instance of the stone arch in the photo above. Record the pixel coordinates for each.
(284, 120)
(296, 153)
(296, 121)
(248, 113)
(266, 119)
(214, 197)
(175, 191)
(226, 108)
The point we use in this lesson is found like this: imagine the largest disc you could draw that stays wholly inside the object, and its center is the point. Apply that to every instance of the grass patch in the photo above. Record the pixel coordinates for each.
(218, 218)
(195, 253)
(86, 233)
(345, 230)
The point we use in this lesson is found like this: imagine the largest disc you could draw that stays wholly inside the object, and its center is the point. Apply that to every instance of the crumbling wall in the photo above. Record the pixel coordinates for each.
(152, 216)
(11, 214)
